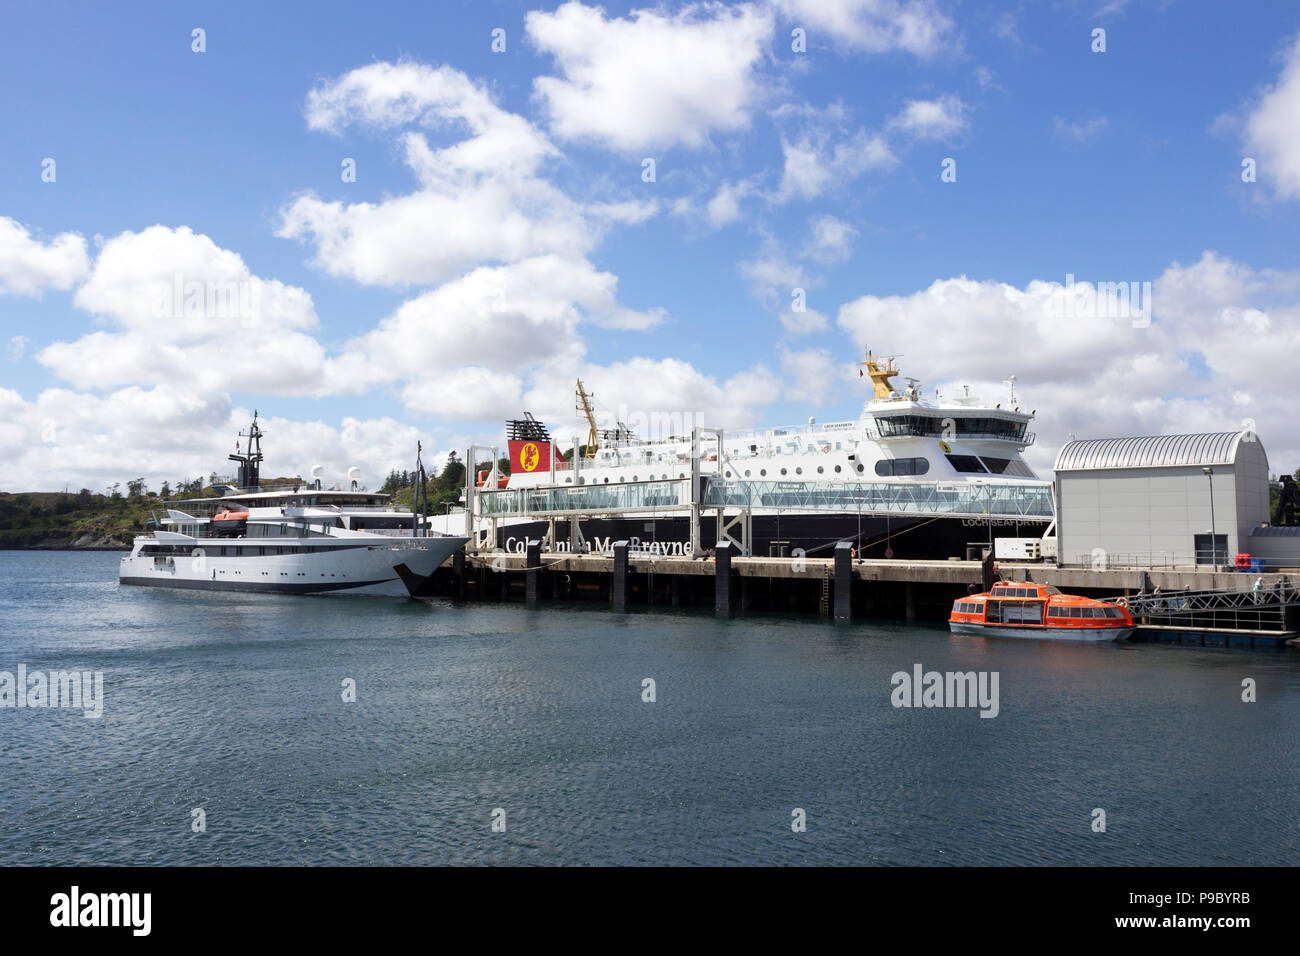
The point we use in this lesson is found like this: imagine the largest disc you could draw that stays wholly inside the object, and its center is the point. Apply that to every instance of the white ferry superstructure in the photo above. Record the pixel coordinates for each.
(910, 477)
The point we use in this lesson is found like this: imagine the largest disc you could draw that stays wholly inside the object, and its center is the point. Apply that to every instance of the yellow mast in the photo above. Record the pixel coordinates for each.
(881, 370)
(584, 405)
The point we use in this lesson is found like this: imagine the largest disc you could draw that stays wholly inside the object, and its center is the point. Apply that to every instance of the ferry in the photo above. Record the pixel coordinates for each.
(1024, 609)
(913, 476)
(295, 539)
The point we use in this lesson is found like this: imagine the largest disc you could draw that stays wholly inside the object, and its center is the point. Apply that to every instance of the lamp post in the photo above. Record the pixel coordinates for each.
(1214, 543)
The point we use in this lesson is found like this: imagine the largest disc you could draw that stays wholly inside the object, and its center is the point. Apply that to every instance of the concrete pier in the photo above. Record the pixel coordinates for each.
(839, 586)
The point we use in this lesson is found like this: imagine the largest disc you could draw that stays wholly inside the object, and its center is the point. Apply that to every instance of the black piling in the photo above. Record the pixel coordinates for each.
(458, 571)
(843, 581)
(618, 585)
(532, 569)
(722, 579)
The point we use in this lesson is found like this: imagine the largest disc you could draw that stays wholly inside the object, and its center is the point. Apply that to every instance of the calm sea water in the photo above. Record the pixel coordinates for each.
(233, 704)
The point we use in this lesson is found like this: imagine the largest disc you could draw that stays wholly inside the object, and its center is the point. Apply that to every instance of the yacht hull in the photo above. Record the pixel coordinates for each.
(370, 569)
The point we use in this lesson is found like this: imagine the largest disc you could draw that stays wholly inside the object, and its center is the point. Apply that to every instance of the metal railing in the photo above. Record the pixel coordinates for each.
(1024, 499)
(1267, 609)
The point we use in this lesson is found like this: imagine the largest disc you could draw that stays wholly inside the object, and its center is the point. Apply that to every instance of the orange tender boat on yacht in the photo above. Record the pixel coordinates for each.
(1023, 609)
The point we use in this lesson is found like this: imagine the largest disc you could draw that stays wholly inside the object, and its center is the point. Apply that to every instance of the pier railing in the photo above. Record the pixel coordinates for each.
(992, 499)
(1267, 609)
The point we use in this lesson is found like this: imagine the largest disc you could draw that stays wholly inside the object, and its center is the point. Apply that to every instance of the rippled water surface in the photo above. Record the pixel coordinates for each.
(233, 703)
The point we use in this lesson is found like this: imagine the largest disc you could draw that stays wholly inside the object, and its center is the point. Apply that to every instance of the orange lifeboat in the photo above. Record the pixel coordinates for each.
(502, 480)
(229, 524)
(1024, 609)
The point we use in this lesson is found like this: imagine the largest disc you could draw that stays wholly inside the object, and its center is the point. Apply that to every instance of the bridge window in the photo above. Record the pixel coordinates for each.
(968, 463)
(1007, 466)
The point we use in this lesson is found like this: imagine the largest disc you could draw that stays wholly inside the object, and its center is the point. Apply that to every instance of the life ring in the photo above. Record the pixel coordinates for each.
(826, 450)
(1122, 602)
(889, 552)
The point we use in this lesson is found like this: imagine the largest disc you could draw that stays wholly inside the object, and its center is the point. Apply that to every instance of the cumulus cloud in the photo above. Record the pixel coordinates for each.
(1093, 371)
(917, 27)
(1272, 133)
(654, 396)
(942, 118)
(28, 265)
(653, 80)
(481, 200)
(182, 310)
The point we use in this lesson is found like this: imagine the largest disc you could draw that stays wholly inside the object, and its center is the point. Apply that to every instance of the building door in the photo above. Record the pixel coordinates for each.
(1207, 552)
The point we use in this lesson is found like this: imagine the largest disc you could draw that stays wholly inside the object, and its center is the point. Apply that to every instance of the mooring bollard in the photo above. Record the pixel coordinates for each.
(618, 586)
(722, 578)
(532, 568)
(843, 581)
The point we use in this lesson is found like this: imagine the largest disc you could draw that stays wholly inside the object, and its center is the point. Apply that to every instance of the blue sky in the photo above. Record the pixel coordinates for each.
(1114, 166)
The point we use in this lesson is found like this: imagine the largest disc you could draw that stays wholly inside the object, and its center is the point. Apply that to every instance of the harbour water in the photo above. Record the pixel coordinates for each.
(234, 704)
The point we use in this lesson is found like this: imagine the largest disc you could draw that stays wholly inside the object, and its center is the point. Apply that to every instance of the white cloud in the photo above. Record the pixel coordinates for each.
(167, 433)
(184, 311)
(1109, 376)
(17, 346)
(874, 26)
(653, 80)
(28, 266)
(1080, 130)
(1272, 130)
(653, 396)
(513, 317)
(941, 118)
(480, 200)
(831, 241)
(812, 376)
(814, 163)
(724, 207)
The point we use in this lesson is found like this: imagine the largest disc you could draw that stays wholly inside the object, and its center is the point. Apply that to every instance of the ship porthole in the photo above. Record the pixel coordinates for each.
(746, 472)
(837, 469)
(762, 472)
(820, 470)
(798, 471)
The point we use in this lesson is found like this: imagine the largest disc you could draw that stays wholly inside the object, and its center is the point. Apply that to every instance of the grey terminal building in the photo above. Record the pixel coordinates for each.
(1167, 501)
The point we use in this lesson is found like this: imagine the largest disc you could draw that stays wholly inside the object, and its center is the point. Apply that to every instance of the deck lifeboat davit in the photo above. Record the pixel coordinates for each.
(1023, 609)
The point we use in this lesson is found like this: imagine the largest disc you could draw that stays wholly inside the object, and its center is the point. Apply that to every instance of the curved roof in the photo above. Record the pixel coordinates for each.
(1209, 448)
